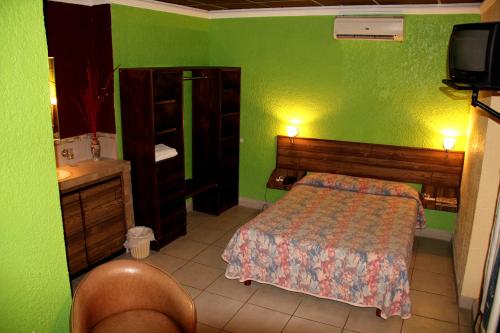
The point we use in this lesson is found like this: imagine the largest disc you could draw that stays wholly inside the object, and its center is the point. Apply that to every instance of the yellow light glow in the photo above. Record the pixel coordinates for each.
(53, 100)
(450, 133)
(292, 131)
(449, 143)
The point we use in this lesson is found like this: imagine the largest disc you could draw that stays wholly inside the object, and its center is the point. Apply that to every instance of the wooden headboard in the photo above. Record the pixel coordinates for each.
(435, 169)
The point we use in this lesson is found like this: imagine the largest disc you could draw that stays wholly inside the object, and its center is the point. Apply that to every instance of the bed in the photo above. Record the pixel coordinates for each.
(336, 237)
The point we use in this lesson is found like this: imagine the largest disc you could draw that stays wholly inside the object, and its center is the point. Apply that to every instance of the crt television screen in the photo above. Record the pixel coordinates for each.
(469, 50)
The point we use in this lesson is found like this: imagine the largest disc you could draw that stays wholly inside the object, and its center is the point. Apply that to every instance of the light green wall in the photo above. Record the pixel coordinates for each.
(364, 91)
(143, 38)
(294, 71)
(34, 286)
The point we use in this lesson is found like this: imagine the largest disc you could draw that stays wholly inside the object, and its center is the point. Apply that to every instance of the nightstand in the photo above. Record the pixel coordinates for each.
(283, 179)
(440, 198)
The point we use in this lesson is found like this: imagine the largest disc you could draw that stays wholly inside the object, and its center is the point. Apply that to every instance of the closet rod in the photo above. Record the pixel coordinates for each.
(195, 78)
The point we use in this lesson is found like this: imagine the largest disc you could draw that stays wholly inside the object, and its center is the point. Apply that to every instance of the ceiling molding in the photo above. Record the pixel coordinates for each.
(347, 10)
(467, 8)
(163, 7)
(77, 2)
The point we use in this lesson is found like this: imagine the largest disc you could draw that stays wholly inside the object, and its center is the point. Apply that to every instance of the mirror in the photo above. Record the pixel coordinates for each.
(53, 99)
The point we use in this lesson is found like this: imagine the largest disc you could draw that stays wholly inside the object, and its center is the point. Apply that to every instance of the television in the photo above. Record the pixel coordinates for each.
(474, 55)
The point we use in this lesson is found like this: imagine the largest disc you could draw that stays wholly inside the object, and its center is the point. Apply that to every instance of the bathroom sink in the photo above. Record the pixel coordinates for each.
(62, 174)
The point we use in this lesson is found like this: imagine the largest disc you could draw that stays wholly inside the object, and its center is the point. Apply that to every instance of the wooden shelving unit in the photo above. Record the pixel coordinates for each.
(216, 137)
(151, 105)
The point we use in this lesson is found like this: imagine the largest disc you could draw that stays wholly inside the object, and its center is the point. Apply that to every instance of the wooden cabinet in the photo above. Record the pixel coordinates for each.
(151, 106)
(152, 113)
(94, 223)
(216, 137)
(73, 232)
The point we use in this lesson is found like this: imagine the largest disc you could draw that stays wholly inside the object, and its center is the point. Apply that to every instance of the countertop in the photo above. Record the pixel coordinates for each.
(87, 172)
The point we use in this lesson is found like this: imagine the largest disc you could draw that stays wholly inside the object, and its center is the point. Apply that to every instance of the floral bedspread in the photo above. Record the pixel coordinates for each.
(336, 237)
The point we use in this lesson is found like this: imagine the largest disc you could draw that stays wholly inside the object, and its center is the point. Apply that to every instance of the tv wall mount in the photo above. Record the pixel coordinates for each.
(475, 92)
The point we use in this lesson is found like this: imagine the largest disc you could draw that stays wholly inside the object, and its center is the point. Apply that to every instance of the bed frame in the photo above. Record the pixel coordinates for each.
(438, 171)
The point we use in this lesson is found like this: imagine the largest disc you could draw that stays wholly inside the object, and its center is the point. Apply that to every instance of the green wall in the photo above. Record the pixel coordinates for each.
(293, 71)
(34, 286)
(143, 38)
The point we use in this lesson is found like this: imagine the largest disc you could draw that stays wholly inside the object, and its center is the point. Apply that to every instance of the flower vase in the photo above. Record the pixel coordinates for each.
(95, 148)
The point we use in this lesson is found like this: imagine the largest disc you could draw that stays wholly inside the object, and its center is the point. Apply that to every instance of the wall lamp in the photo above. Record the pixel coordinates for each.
(449, 143)
(292, 132)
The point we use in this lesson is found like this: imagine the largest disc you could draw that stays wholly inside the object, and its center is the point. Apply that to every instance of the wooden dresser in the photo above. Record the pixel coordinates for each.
(96, 204)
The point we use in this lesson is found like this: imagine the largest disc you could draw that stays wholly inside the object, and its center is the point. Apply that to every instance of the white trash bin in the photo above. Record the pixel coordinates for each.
(138, 239)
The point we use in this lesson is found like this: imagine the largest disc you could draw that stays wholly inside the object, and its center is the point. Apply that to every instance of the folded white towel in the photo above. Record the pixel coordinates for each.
(163, 152)
(162, 147)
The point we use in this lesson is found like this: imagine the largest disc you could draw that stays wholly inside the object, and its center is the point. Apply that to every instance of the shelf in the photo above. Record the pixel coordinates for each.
(166, 131)
(166, 101)
(194, 187)
(229, 137)
(230, 90)
(440, 198)
(233, 158)
(229, 114)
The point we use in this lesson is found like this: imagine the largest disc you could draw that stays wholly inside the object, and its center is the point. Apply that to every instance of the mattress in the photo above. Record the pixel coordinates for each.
(336, 237)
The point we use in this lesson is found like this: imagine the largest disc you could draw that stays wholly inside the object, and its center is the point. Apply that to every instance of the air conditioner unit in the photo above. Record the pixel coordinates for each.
(369, 28)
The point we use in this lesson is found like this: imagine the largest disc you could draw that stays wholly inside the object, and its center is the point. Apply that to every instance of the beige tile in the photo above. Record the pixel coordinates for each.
(323, 310)
(252, 318)
(417, 324)
(276, 299)
(349, 331)
(183, 248)
(215, 310)
(434, 246)
(202, 328)
(205, 235)
(211, 256)
(193, 292)
(224, 240)
(365, 320)
(465, 317)
(434, 263)
(299, 325)
(165, 262)
(197, 275)
(240, 213)
(232, 289)
(200, 220)
(434, 306)
(433, 283)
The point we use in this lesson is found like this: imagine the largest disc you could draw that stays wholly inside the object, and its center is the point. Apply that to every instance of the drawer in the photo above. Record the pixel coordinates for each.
(101, 194)
(105, 248)
(105, 239)
(75, 251)
(108, 211)
(72, 214)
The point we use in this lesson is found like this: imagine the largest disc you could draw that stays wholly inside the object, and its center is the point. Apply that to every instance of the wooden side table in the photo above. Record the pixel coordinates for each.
(440, 198)
(283, 179)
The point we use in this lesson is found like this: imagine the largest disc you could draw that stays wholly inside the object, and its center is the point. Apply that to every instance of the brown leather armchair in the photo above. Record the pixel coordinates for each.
(131, 296)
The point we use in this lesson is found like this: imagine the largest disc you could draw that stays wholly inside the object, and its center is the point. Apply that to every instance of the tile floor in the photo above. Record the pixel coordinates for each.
(229, 306)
